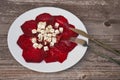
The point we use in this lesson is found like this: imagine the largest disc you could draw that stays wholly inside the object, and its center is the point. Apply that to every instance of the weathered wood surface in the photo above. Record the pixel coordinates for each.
(94, 13)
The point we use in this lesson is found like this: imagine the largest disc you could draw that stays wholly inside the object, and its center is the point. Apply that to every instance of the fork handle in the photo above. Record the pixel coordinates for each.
(105, 46)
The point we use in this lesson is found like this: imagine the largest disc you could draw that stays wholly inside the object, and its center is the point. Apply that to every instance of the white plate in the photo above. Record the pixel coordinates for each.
(15, 31)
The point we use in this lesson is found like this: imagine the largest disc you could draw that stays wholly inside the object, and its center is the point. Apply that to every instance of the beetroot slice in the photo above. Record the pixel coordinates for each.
(61, 20)
(24, 42)
(60, 56)
(28, 26)
(33, 55)
(56, 55)
(67, 34)
(65, 46)
(62, 47)
(50, 57)
(70, 45)
(43, 17)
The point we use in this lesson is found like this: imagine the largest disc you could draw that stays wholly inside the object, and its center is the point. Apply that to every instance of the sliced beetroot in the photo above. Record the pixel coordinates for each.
(62, 47)
(60, 56)
(50, 57)
(70, 45)
(33, 55)
(61, 20)
(67, 34)
(24, 42)
(65, 46)
(58, 38)
(57, 55)
(28, 26)
(43, 17)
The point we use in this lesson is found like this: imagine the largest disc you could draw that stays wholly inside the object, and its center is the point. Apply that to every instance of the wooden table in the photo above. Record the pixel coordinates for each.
(102, 20)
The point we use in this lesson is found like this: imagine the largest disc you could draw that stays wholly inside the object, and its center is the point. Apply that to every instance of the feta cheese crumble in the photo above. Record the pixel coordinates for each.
(46, 35)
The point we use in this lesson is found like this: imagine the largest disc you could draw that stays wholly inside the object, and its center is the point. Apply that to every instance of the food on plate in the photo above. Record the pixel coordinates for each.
(46, 39)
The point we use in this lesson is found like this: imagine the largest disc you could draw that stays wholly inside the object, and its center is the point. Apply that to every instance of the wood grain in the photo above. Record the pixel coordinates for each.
(94, 13)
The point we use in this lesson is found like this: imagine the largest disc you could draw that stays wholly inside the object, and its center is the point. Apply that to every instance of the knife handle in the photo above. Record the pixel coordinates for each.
(105, 46)
(117, 52)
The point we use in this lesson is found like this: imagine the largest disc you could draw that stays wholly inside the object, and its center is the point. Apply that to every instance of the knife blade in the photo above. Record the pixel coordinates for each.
(117, 52)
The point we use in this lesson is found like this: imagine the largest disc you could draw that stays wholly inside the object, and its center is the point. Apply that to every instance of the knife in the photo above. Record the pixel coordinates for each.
(117, 52)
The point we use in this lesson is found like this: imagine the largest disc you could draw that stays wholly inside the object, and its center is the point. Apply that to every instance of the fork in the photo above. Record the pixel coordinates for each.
(84, 43)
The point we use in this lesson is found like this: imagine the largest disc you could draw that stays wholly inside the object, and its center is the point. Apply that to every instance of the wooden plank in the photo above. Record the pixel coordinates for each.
(94, 14)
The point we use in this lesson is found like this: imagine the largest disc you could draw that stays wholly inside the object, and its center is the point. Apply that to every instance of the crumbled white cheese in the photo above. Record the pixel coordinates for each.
(54, 39)
(45, 38)
(47, 30)
(38, 29)
(46, 48)
(49, 26)
(52, 30)
(33, 40)
(49, 35)
(53, 34)
(41, 25)
(34, 31)
(45, 43)
(56, 25)
(52, 43)
(46, 34)
(61, 29)
(49, 39)
(42, 31)
(40, 37)
(40, 46)
(35, 45)
(57, 32)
